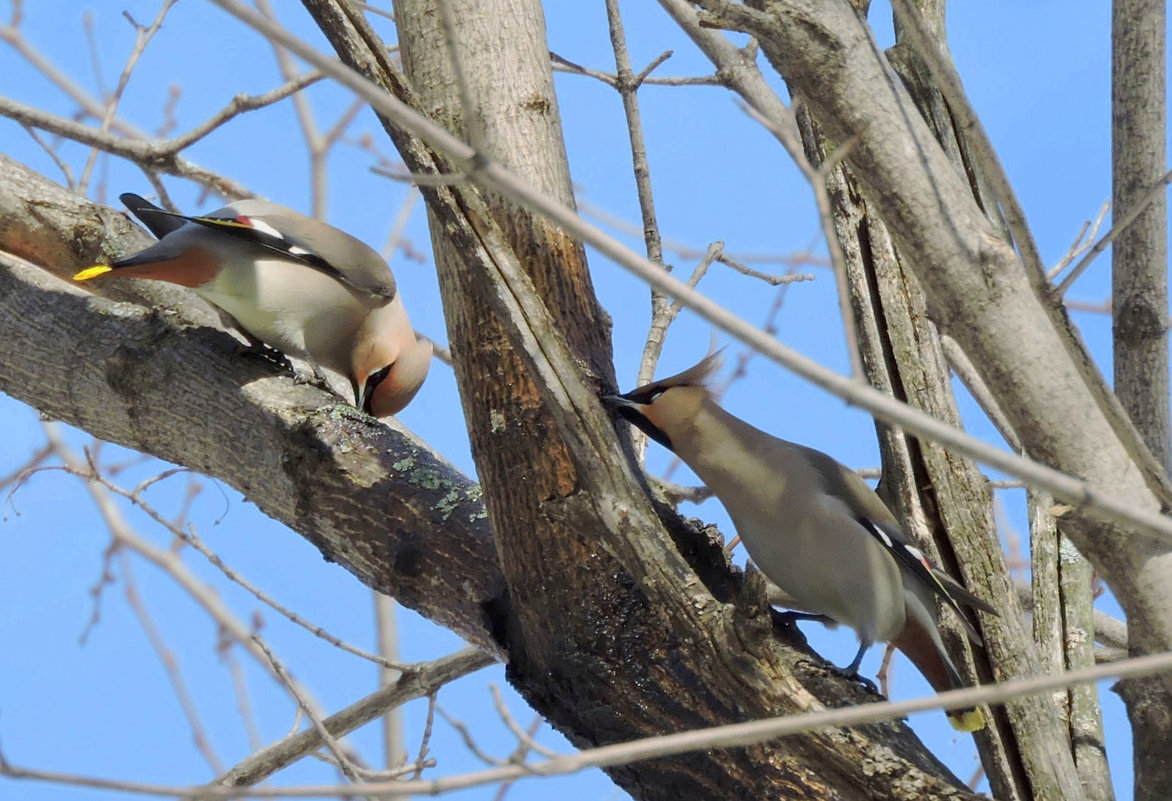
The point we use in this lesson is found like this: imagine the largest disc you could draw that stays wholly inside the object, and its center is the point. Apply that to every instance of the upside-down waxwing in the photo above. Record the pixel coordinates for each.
(294, 283)
(811, 525)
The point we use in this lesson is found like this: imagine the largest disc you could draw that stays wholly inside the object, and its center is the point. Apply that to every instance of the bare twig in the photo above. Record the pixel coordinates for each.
(142, 37)
(387, 630)
(189, 536)
(348, 768)
(628, 89)
(240, 688)
(32, 463)
(731, 735)
(369, 9)
(1090, 307)
(425, 740)
(826, 215)
(432, 179)
(395, 237)
(772, 280)
(1082, 243)
(154, 155)
(169, 561)
(52, 152)
(1102, 505)
(241, 104)
(170, 665)
(964, 369)
(884, 674)
(519, 756)
(1003, 484)
(525, 741)
(469, 741)
(686, 252)
(1116, 226)
(319, 144)
(565, 65)
(97, 591)
(168, 123)
(664, 314)
(90, 105)
(439, 350)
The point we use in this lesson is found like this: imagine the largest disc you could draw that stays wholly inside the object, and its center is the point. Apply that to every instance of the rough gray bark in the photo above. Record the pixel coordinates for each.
(945, 501)
(738, 670)
(1005, 320)
(1139, 303)
(1065, 632)
(160, 380)
(641, 646)
(1041, 749)
(1139, 255)
(1087, 738)
(667, 649)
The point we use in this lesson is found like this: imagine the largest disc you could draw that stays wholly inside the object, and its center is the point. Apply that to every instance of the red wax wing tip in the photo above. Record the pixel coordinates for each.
(244, 220)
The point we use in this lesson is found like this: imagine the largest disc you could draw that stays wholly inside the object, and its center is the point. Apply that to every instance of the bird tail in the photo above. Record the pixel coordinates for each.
(920, 642)
(160, 221)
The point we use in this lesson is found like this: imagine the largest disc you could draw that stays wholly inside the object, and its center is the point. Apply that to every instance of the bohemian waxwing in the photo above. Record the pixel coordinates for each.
(294, 283)
(812, 526)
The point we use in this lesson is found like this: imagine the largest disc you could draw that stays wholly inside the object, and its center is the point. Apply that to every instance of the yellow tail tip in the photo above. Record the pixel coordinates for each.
(970, 720)
(92, 272)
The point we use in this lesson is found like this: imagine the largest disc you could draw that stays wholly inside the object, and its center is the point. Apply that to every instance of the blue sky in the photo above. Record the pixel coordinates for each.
(1038, 74)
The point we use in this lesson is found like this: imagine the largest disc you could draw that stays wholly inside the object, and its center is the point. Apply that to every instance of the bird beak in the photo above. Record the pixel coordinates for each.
(618, 402)
(363, 397)
(633, 412)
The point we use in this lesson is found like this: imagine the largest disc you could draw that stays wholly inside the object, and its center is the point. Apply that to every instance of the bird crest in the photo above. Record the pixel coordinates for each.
(698, 375)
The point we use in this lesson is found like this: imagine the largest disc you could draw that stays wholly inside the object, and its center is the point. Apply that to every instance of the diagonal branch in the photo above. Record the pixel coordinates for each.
(371, 497)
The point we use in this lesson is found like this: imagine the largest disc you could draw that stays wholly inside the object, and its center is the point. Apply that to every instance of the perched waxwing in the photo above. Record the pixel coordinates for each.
(294, 283)
(812, 526)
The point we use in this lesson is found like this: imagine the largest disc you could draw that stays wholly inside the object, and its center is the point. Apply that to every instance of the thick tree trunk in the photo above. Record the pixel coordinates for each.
(944, 500)
(1003, 317)
(641, 645)
(652, 631)
(1139, 254)
(670, 648)
(1139, 303)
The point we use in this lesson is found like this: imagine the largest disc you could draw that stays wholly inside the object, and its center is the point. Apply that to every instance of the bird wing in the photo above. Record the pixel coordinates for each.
(365, 279)
(322, 246)
(880, 523)
(913, 559)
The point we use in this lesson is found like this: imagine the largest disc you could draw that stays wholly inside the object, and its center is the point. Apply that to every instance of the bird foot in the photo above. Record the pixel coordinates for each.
(842, 673)
(851, 673)
(313, 377)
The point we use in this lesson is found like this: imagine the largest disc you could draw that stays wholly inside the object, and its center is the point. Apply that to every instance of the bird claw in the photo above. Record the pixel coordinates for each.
(853, 675)
(315, 377)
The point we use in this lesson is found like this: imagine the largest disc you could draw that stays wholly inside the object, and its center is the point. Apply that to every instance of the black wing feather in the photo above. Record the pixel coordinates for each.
(918, 564)
(160, 221)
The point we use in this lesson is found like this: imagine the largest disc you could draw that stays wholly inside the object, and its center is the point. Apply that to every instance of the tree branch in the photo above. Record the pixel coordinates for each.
(371, 497)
